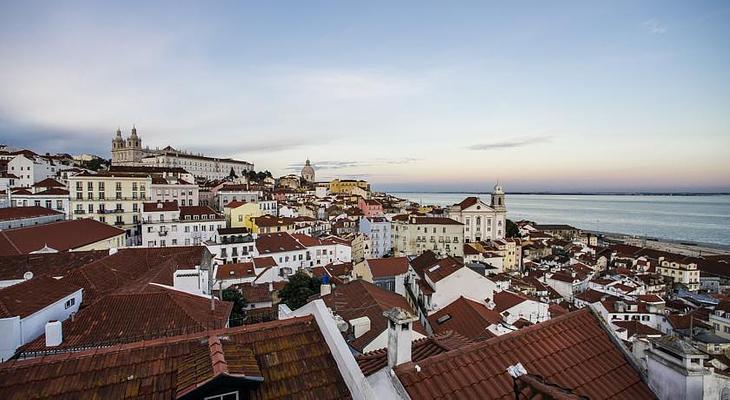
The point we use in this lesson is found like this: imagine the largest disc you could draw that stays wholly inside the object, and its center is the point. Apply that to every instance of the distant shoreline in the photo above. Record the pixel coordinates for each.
(573, 193)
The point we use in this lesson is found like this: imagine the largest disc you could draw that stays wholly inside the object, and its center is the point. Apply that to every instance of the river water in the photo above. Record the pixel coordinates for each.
(697, 218)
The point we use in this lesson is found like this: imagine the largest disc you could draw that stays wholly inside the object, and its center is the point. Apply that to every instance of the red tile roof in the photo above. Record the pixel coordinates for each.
(28, 297)
(235, 204)
(467, 317)
(51, 264)
(422, 349)
(264, 262)
(49, 183)
(129, 268)
(186, 211)
(363, 299)
(636, 328)
(443, 268)
(386, 267)
(467, 202)
(277, 242)
(147, 313)
(291, 355)
(13, 213)
(235, 271)
(435, 221)
(572, 351)
(60, 236)
(52, 192)
(160, 206)
(505, 300)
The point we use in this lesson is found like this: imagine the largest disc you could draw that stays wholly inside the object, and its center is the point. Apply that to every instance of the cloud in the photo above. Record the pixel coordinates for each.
(654, 27)
(509, 144)
(337, 164)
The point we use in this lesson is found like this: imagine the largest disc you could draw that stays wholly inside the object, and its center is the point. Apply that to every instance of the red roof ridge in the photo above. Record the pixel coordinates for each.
(163, 340)
(217, 357)
(509, 336)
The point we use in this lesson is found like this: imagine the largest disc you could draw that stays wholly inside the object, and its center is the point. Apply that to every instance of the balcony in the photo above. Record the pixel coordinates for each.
(162, 233)
(78, 212)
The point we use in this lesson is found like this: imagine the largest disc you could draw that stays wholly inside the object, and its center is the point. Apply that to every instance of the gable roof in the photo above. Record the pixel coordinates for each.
(235, 271)
(13, 213)
(467, 317)
(359, 298)
(573, 351)
(49, 183)
(386, 267)
(60, 236)
(28, 297)
(51, 264)
(291, 355)
(443, 268)
(160, 206)
(505, 300)
(421, 349)
(277, 242)
(131, 267)
(151, 312)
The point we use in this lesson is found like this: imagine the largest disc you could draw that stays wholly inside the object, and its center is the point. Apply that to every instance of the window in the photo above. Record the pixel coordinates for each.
(70, 302)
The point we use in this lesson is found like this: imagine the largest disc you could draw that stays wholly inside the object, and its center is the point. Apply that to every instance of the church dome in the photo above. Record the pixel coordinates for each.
(308, 172)
(498, 189)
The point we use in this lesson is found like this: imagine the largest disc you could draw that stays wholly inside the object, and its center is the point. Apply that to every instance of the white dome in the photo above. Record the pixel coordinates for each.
(498, 189)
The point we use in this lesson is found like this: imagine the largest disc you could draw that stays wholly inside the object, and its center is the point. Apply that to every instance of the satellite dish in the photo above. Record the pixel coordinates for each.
(28, 275)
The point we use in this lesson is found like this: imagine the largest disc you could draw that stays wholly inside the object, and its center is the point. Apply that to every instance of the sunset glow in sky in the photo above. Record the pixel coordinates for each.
(563, 96)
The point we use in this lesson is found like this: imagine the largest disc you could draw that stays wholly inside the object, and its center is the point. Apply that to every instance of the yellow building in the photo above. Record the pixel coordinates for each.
(349, 186)
(240, 214)
(114, 198)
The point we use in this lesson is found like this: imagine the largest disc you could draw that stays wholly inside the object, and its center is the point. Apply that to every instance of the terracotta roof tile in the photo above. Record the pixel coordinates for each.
(51, 264)
(235, 271)
(359, 298)
(422, 349)
(277, 242)
(149, 313)
(385, 267)
(291, 355)
(25, 298)
(467, 317)
(61, 236)
(572, 351)
(132, 268)
(160, 206)
(13, 213)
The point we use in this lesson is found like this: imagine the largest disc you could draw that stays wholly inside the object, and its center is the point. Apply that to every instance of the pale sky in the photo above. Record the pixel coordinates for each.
(563, 95)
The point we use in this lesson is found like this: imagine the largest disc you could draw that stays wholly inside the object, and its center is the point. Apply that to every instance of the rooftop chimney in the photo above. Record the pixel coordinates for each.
(399, 336)
(325, 288)
(54, 333)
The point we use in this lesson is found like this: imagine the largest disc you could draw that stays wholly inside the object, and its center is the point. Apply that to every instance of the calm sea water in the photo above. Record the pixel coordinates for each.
(704, 219)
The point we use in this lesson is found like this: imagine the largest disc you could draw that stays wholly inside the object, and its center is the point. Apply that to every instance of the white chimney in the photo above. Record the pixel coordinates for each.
(325, 289)
(399, 336)
(54, 333)
(113, 251)
(360, 326)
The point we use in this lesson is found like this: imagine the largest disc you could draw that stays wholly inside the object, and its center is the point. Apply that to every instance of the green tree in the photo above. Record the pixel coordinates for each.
(298, 290)
(512, 230)
(239, 305)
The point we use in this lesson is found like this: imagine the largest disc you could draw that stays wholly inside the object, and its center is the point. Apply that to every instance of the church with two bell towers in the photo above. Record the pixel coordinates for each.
(128, 151)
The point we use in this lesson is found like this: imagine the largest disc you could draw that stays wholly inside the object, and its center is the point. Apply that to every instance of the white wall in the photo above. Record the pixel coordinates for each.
(463, 282)
(381, 341)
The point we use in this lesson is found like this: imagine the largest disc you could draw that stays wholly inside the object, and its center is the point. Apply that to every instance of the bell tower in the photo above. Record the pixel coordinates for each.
(498, 197)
